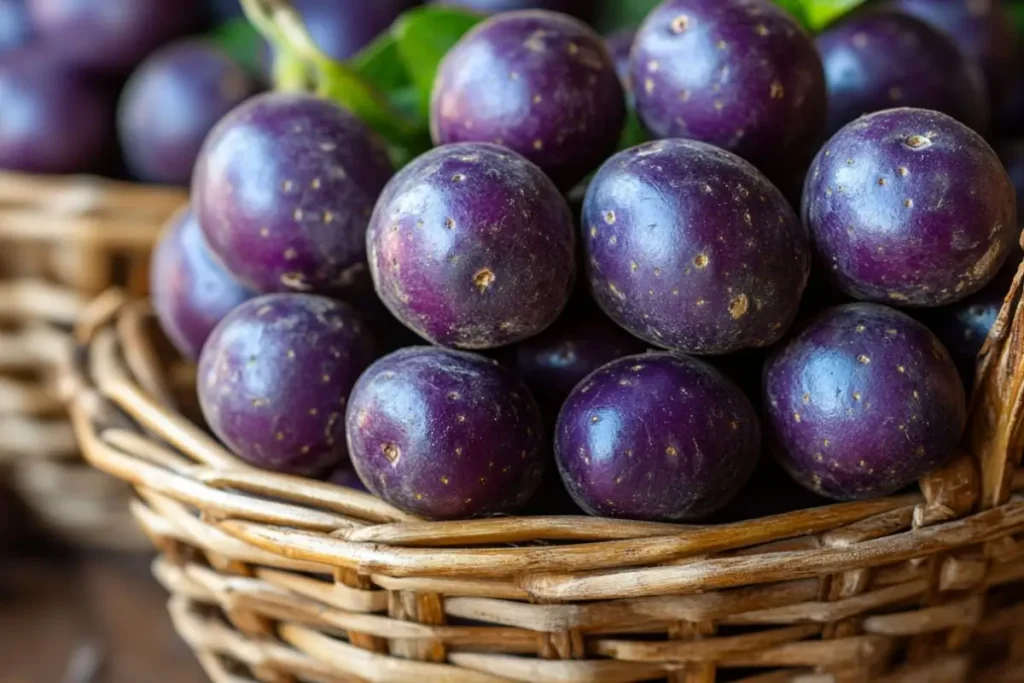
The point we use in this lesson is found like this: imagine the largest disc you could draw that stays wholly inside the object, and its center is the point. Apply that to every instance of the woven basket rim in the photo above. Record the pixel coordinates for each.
(322, 525)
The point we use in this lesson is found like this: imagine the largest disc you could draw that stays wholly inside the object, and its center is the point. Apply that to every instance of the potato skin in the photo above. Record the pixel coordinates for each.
(472, 246)
(274, 378)
(909, 206)
(171, 103)
(656, 437)
(883, 58)
(540, 83)
(191, 292)
(445, 434)
(556, 360)
(691, 248)
(863, 402)
(283, 189)
(739, 74)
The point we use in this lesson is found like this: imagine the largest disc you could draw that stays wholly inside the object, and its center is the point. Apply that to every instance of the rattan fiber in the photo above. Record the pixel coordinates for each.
(280, 579)
(62, 241)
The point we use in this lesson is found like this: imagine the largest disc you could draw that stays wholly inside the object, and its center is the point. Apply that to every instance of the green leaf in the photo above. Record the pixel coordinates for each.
(1017, 10)
(820, 13)
(381, 64)
(796, 8)
(241, 41)
(633, 133)
(423, 36)
(612, 15)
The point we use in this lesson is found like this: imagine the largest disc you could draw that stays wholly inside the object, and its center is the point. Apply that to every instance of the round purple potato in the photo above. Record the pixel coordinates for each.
(111, 35)
(573, 7)
(656, 437)
(884, 58)
(283, 189)
(190, 291)
(52, 120)
(540, 83)
(910, 206)
(274, 378)
(445, 434)
(863, 402)
(739, 74)
(555, 361)
(172, 102)
(982, 29)
(472, 246)
(15, 30)
(691, 248)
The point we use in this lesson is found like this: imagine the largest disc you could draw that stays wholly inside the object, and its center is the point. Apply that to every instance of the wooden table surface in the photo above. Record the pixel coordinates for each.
(68, 618)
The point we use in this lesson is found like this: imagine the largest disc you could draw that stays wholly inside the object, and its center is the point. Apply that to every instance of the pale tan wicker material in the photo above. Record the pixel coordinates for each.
(62, 241)
(279, 579)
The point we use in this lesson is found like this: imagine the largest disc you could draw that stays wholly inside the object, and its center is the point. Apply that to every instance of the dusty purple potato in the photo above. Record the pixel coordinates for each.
(471, 246)
(445, 434)
(884, 58)
(540, 83)
(14, 25)
(283, 189)
(111, 35)
(864, 401)
(52, 120)
(556, 360)
(656, 437)
(190, 291)
(739, 74)
(172, 102)
(911, 207)
(691, 248)
(274, 378)
(982, 29)
(345, 476)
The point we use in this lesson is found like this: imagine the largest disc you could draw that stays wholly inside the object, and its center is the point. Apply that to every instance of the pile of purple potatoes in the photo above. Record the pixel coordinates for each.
(774, 302)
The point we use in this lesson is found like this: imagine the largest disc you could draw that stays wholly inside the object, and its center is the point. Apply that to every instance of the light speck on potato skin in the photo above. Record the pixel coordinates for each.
(695, 260)
(469, 434)
(939, 231)
(656, 437)
(737, 74)
(283, 412)
(563, 106)
(479, 263)
(879, 399)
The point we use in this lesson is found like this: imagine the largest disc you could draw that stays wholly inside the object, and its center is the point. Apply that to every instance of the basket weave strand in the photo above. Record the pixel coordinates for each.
(275, 578)
(62, 241)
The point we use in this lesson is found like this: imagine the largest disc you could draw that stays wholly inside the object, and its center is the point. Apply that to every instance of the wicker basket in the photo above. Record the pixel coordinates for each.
(276, 578)
(62, 241)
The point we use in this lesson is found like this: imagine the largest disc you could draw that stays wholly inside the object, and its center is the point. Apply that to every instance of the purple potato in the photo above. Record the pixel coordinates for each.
(863, 402)
(656, 437)
(471, 246)
(345, 476)
(691, 248)
(171, 103)
(341, 28)
(540, 83)
(445, 434)
(111, 35)
(15, 30)
(910, 206)
(274, 378)
(191, 292)
(982, 29)
(52, 120)
(576, 8)
(283, 189)
(739, 74)
(883, 58)
(555, 361)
